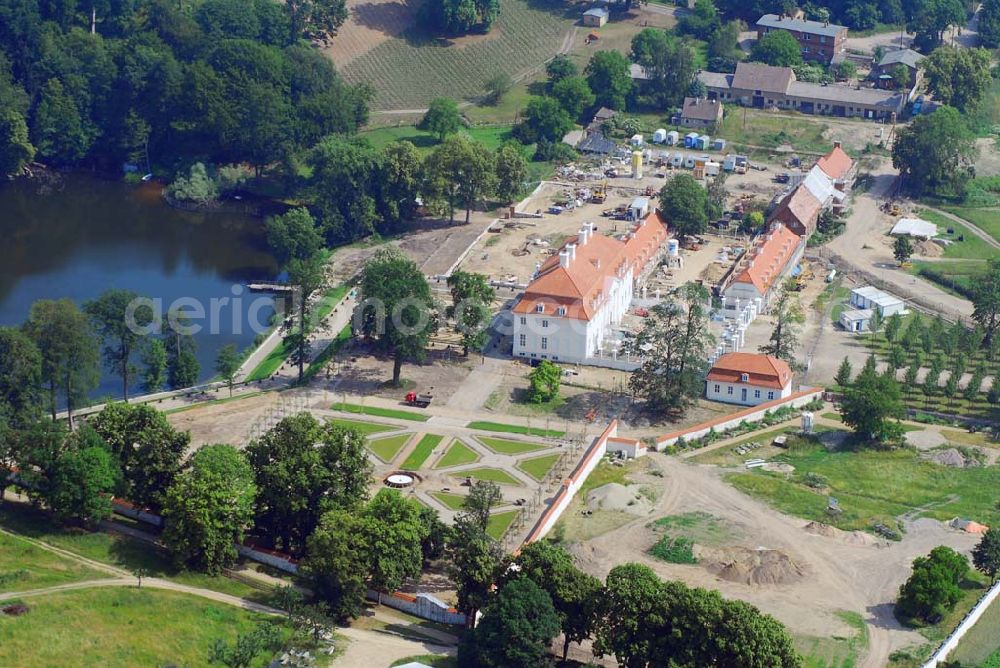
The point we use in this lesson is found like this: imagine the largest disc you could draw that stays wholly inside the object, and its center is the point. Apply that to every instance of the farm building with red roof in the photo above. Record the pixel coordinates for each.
(748, 379)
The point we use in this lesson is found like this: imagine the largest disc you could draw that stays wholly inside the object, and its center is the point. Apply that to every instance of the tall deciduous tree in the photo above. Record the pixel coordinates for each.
(673, 345)
(575, 595)
(441, 118)
(60, 133)
(958, 77)
(70, 359)
(989, 24)
(471, 296)
(609, 77)
(668, 63)
(933, 586)
(302, 469)
(317, 18)
(574, 95)
(986, 302)
(543, 382)
(778, 48)
(340, 166)
(935, 154)
(516, 629)
(149, 449)
(399, 184)
(787, 314)
(227, 364)
(83, 479)
(395, 537)
(397, 310)
(119, 318)
(16, 150)
(902, 249)
(209, 507)
(307, 275)
(544, 119)
(682, 204)
(337, 562)
(986, 554)
(872, 406)
(512, 172)
(20, 380)
(293, 235)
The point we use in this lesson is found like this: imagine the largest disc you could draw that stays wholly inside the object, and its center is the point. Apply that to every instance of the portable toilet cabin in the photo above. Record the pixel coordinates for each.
(677, 159)
(663, 158)
(660, 136)
(637, 140)
(718, 144)
(690, 140)
(729, 162)
(689, 161)
(704, 142)
(673, 137)
(712, 168)
(699, 168)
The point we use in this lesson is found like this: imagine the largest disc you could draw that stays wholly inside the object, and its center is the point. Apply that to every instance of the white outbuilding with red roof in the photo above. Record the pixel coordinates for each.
(748, 379)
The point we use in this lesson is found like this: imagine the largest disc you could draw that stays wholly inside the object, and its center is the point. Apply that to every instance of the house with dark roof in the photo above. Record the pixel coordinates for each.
(577, 297)
(767, 87)
(883, 74)
(821, 41)
(700, 112)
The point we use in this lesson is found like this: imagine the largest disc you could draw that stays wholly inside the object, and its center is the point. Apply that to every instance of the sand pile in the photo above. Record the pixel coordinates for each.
(849, 537)
(951, 457)
(753, 567)
(622, 498)
(928, 249)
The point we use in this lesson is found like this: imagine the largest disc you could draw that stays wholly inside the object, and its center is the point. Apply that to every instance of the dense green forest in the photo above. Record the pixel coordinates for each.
(98, 83)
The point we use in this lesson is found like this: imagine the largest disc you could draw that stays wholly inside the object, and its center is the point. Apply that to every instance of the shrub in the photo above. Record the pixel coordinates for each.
(677, 550)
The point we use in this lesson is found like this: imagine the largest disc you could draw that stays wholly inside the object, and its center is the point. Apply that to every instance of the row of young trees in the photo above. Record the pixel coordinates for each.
(106, 83)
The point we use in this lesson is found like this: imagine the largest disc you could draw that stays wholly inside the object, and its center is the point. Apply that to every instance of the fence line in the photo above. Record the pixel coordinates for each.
(951, 642)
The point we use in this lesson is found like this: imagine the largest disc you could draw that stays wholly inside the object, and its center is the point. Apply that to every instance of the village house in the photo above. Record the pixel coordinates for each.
(883, 72)
(766, 87)
(699, 112)
(818, 40)
(596, 17)
(759, 271)
(569, 310)
(748, 379)
(824, 187)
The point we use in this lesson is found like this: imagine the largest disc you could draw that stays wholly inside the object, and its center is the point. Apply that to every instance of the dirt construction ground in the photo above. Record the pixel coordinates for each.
(822, 574)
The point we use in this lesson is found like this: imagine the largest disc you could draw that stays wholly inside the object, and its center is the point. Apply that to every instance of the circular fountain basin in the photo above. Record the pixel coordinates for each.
(400, 480)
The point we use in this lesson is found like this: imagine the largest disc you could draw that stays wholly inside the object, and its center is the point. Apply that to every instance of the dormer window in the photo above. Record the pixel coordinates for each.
(540, 308)
(744, 378)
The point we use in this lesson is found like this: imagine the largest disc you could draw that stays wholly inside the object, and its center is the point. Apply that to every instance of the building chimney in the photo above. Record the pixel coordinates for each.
(572, 251)
(564, 259)
(836, 144)
(583, 235)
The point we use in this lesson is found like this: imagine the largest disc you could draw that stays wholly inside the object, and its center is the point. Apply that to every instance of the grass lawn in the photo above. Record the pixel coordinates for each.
(453, 501)
(408, 71)
(771, 130)
(834, 651)
(458, 453)
(121, 627)
(515, 429)
(981, 642)
(498, 476)
(988, 220)
(499, 523)
(491, 137)
(874, 486)
(364, 427)
(538, 467)
(386, 449)
(505, 446)
(114, 549)
(26, 566)
(380, 412)
(971, 247)
(961, 272)
(424, 448)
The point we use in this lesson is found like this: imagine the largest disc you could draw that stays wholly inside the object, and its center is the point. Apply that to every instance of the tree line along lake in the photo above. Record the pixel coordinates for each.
(76, 235)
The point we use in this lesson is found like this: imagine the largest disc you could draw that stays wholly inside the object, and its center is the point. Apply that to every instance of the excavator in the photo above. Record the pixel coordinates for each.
(600, 193)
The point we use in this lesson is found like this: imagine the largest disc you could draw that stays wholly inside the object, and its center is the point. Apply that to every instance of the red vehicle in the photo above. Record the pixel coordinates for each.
(419, 400)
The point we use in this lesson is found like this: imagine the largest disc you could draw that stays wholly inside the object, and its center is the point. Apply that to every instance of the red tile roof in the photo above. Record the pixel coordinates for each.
(836, 164)
(769, 258)
(580, 287)
(763, 370)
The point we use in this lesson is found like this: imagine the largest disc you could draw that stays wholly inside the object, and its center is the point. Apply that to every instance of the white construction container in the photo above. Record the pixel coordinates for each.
(677, 159)
(689, 161)
(660, 136)
(673, 137)
(729, 162)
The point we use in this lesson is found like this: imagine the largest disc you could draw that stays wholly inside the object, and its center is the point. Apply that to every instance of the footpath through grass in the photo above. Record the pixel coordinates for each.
(874, 486)
(121, 626)
(415, 460)
(380, 412)
(25, 566)
(515, 429)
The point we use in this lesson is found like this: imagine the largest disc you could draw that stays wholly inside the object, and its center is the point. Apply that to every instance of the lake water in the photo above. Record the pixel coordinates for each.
(85, 235)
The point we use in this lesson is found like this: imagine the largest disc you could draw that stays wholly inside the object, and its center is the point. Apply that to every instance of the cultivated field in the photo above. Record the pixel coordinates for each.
(408, 68)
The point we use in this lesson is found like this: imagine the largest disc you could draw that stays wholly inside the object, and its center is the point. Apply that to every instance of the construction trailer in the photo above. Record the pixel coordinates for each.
(672, 138)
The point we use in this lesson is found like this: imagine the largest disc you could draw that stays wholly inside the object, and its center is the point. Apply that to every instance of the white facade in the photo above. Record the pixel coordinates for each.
(868, 297)
(856, 320)
(744, 394)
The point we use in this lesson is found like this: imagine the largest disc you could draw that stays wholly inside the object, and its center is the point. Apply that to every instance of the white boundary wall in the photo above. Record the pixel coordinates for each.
(424, 606)
(970, 620)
